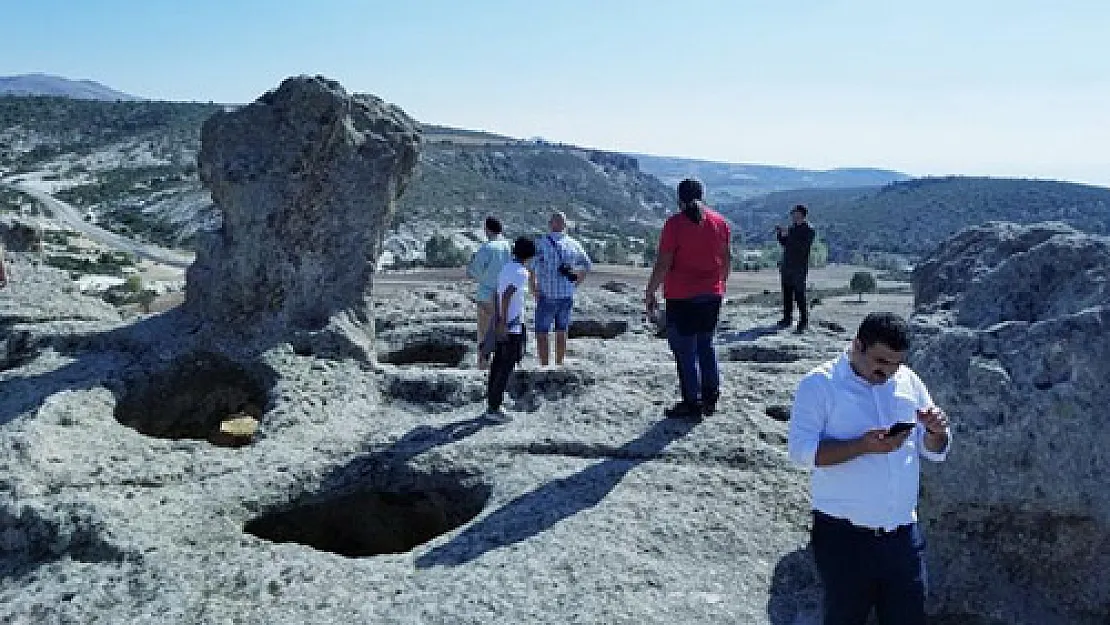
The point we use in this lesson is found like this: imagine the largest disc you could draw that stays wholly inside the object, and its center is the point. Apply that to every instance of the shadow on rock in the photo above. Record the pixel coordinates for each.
(795, 595)
(750, 335)
(426, 437)
(536, 511)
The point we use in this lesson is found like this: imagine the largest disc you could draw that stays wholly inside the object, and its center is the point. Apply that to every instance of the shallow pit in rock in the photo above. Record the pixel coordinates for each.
(592, 328)
(427, 353)
(194, 397)
(764, 353)
(454, 388)
(375, 521)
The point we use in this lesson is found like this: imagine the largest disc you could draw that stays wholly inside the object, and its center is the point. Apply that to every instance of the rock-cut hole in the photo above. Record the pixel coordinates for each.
(427, 353)
(202, 396)
(372, 522)
(591, 328)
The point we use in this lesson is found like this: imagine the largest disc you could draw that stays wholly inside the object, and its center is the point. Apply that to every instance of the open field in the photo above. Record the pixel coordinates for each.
(843, 309)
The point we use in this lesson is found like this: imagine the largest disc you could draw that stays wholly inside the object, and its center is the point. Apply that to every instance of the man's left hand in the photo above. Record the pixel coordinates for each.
(934, 419)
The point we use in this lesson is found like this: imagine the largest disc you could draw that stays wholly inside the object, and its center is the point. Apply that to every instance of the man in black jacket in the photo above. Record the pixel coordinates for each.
(796, 242)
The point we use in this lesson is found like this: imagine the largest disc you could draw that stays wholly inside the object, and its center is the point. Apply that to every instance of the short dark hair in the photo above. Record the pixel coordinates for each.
(801, 208)
(524, 248)
(886, 328)
(493, 224)
(690, 190)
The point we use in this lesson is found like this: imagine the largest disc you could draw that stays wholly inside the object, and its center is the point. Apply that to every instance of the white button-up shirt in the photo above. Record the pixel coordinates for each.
(873, 490)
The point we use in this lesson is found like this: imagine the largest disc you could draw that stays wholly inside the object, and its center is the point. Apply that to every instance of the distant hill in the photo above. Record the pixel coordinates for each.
(732, 182)
(911, 217)
(47, 85)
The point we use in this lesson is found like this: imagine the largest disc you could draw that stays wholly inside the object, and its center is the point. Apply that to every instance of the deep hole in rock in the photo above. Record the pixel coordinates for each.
(591, 328)
(374, 522)
(427, 353)
(195, 398)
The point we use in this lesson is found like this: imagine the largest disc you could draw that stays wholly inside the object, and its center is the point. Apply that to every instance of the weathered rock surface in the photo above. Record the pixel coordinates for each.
(1015, 343)
(306, 178)
(41, 308)
(589, 507)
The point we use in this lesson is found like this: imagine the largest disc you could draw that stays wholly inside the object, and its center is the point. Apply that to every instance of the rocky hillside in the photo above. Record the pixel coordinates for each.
(459, 184)
(913, 216)
(132, 166)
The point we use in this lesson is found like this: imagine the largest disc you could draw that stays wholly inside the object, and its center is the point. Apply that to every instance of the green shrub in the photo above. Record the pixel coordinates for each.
(862, 282)
(441, 251)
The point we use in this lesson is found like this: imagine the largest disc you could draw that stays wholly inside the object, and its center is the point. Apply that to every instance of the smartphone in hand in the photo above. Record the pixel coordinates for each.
(900, 427)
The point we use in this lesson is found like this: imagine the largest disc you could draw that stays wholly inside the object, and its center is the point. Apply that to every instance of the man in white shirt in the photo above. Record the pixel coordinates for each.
(509, 313)
(866, 542)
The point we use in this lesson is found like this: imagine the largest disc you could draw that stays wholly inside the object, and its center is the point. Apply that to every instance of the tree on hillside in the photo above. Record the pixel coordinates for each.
(651, 250)
(818, 253)
(441, 251)
(862, 282)
(616, 252)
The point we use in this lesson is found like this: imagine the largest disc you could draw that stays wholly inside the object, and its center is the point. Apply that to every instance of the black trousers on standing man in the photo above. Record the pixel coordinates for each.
(794, 291)
(863, 569)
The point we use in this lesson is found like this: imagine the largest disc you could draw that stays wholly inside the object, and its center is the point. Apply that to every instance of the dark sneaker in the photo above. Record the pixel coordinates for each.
(709, 403)
(784, 323)
(683, 410)
(801, 329)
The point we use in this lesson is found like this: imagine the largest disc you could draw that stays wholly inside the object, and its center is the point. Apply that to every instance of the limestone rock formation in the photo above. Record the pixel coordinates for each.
(1013, 340)
(306, 178)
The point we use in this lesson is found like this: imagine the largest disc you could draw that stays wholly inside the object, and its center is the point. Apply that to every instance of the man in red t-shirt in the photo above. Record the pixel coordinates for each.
(693, 266)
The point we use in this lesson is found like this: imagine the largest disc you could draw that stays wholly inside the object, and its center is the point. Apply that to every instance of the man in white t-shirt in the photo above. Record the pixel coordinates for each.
(511, 286)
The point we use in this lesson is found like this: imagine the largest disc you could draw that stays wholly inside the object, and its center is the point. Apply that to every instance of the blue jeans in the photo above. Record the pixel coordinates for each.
(691, 324)
(553, 310)
(861, 570)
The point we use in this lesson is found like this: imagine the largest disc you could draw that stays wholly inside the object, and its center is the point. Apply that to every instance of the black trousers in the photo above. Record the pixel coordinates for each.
(863, 570)
(509, 352)
(794, 291)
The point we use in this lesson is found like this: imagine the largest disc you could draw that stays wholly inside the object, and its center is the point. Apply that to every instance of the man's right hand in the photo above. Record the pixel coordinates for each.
(879, 442)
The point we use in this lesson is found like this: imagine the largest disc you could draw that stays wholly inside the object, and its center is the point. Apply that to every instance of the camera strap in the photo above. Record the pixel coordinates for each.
(558, 250)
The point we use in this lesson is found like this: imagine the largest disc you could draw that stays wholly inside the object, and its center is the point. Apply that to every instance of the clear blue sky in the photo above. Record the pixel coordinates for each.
(1005, 87)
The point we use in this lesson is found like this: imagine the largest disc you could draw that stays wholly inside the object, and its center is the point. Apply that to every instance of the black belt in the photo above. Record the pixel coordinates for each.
(828, 519)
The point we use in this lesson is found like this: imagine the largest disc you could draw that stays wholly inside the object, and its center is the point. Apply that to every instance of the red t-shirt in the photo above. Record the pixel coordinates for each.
(699, 255)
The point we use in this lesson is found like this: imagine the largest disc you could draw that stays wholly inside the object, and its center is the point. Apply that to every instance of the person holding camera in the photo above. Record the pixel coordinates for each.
(796, 242)
(693, 265)
(558, 269)
(863, 422)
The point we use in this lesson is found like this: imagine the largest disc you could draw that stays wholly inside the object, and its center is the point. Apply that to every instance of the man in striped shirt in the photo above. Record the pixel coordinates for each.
(557, 270)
